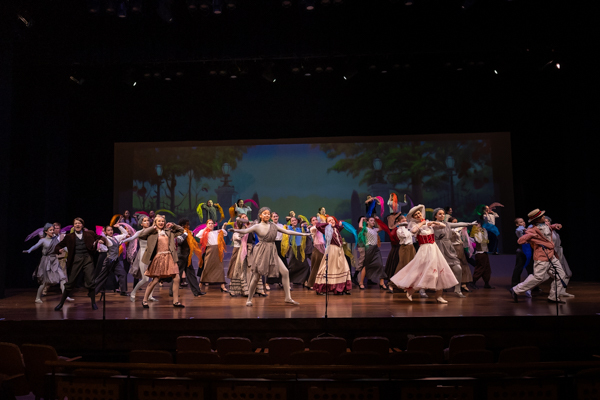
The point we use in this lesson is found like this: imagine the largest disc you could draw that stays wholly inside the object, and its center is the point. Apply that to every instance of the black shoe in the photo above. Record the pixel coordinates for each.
(178, 305)
(320, 294)
(261, 294)
(59, 306)
(338, 293)
(559, 301)
(488, 286)
(170, 294)
(124, 294)
(514, 295)
(202, 293)
(361, 287)
(145, 304)
(347, 292)
(93, 298)
(224, 290)
(382, 287)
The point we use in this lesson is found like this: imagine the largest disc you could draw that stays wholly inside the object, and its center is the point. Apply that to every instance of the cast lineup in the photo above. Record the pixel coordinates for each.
(426, 255)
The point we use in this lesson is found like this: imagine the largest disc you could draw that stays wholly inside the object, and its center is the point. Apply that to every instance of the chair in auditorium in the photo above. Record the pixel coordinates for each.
(11, 366)
(459, 343)
(587, 383)
(335, 346)
(198, 357)
(311, 357)
(247, 358)
(377, 344)
(35, 357)
(410, 357)
(89, 387)
(193, 343)
(472, 357)
(433, 345)
(280, 349)
(230, 344)
(519, 355)
(362, 358)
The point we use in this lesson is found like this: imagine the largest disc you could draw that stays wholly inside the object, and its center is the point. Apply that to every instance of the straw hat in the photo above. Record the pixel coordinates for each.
(535, 214)
(413, 210)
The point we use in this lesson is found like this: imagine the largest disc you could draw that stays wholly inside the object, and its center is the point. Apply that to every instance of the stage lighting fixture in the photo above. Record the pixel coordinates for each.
(325, 2)
(136, 6)
(557, 66)
(268, 74)
(286, 3)
(205, 5)
(93, 6)
(338, 2)
(78, 80)
(164, 10)
(309, 4)
(350, 73)
(230, 5)
(122, 9)
(217, 7)
(25, 18)
(192, 5)
(110, 7)
(496, 71)
(408, 2)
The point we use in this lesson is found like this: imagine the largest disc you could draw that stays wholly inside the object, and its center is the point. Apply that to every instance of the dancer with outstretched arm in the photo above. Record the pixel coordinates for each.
(265, 260)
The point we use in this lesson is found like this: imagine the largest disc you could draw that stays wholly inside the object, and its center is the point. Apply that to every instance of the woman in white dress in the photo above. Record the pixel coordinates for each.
(429, 269)
(138, 268)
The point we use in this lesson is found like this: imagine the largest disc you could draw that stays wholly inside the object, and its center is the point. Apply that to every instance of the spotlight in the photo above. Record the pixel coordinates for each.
(136, 6)
(325, 2)
(164, 10)
(309, 4)
(350, 73)
(192, 5)
(110, 7)
(557, 66)
(93, 6)
(496, 71)
(25, 18)
(205, 5)
(230, 5)
(217, 7)
(77, 80)
(286, 3)
(122, 9)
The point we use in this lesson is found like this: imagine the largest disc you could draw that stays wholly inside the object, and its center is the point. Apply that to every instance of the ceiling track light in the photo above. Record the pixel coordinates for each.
(217, 7)
(230, 5)
(122, 9)
(286, 3)
(309, 5)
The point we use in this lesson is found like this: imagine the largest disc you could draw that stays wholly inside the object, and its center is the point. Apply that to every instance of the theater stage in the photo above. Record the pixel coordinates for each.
(370, 312)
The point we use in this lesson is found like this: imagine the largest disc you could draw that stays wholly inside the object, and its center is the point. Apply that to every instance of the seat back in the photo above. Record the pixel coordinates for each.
(198, 357)
(460, 343)
(519, 355)
(150, 357)
(377, 344)
(311, 357)
(410, 357)
(232, 344)
(35, 356)
(334, 345)
(247, 358)
(280, 348)
(11, 364)
(472, 357)
(433, 345)
(361, 358)
(193, 343)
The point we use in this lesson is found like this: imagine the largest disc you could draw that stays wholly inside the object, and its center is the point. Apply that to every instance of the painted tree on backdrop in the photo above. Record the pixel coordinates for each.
(194, 163)
(418, 164)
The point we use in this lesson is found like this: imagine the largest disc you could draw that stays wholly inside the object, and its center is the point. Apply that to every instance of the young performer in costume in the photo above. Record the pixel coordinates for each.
(288, 217)
(558, 250)
(372, 266)
(443, 238)
(211, 211)
(395, 211)
(298, 266)
(371, 205)
(545, 262)
(462, 243)
(392, 260)
(482, 260)
(317, 253)
(161, 256)
(138, 268)
(238, 266)
(212, 242)
(524, 257)
(242, 208)
(322, 214)
(186, 248)
(81, 246)
(406, 249)
(278, 243)
(489, 216)
(428, 269)
(112, 262)
(48, 271)
(334, 271)
(265, 259)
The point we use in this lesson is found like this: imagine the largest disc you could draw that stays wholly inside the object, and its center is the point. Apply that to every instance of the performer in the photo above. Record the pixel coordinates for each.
(210, 211)
(186, 248)
(48, 271)
(151, 215)
(81, 245)
(558, 250)
(429, 269)
(242, 208)
(265, 259)
(161, 256)
(212, 243)
(112, 262)
(406, 251)
(288, 217)
(299, 269)
(360, 249)
(128, 219)
(489, 216)
(368, 206)
(322, 214)
(62, 258)
(448, 211)
(278, 241)
(334, 272)
(545, 262)
(524, 257)
(443, 238)
(462, 243)
(393, 256)
(372, 266)
(395, 211)
(317, 253)
(138, 268)
(238, 266)
(482, 260)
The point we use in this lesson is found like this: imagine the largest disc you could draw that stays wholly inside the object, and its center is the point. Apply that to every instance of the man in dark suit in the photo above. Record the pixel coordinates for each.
(183, 258)
(81, 246)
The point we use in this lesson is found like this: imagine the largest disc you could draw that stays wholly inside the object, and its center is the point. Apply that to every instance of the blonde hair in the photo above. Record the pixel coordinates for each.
(156, 217)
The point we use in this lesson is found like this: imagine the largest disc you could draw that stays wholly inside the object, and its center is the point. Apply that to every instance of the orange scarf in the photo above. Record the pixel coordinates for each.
(194, 248)
(204, 244)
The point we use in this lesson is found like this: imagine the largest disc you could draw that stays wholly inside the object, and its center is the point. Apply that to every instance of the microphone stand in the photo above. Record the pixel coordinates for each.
(556, 278)
(326, 333)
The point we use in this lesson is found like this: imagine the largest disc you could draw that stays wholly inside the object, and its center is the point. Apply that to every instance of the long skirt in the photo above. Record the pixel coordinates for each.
(406, 253)
(49, 271)
(241, 275)
(392, 261)
(466, 270)
(374, 264)
(232, 262)
(299, 270)
(428, 270)
(337, 270)
(315, 263)
(213, 271)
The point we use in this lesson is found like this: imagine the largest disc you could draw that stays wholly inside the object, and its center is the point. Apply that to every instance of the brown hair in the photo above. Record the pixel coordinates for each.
(80, 220)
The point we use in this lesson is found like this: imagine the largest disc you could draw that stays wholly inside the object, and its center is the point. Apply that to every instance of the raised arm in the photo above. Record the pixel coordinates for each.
(144, 233)
(383, 226)
(35, 246)
(181, 238)
(460, 224)
(253, 228)
(135, 236)
(293, 233)
(176, 229)
(360, 223)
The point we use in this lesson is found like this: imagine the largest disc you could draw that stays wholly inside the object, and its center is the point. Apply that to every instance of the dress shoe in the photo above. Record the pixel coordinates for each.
(487, 286)
(124, 294)
(59, 306)
(291, 301)
(459, 294)
(559, 301)
(565, 294)
(441, 300)
(514, 295)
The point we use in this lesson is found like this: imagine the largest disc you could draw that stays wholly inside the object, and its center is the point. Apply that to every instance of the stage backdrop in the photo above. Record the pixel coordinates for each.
(459, 170)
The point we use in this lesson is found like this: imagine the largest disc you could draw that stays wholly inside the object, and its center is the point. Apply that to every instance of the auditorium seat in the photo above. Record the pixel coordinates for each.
(193, 343)
(198, 357)
(377, 344)
(433, 345)
(85, 387)
(12, 366)
(280, 348)
(311, 357)
(472, 357)
(247, 358)
(520, 355)
(459, 343)
(587, 383)
(333, 345)
(229, 344)
(361, 358)
(410, 357)
(150, 357)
